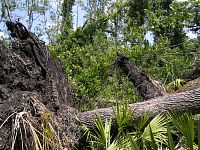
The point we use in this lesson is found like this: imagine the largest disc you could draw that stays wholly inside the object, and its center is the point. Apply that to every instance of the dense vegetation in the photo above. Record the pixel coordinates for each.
(175, 130)
(153, 34)
(124, 27)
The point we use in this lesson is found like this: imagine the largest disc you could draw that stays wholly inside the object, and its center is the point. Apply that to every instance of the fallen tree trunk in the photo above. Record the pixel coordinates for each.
(179, 101)
(45, 100)
(36, 99)
(146, 87)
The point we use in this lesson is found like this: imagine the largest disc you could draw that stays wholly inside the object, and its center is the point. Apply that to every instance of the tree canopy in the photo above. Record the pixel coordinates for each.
(124, 51)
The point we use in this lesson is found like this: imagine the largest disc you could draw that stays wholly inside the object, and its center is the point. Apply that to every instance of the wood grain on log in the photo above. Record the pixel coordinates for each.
(179, 101)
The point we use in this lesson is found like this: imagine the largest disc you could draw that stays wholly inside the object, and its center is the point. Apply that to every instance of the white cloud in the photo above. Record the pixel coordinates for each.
(191, 35)
(2, 35)
(55, 3)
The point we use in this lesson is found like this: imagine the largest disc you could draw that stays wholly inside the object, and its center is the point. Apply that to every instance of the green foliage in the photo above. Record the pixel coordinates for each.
(89, 66)
(184, 123)
(101, 138)
(170, 139)
(162, 132)
(133, 144)
(143, 132)
(198, 134)
(158, 127)
(88, 53)
(154, 146)
(123, 116)
(3, 9)
(66, 12)
(175, 85)
(37, 8)
(136, 11)
(142, 122)
(103, 132)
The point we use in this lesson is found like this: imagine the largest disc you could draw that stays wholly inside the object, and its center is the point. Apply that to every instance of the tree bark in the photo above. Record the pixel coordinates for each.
(147, 87)
(23, 87)
(45, 99)
(179, 101)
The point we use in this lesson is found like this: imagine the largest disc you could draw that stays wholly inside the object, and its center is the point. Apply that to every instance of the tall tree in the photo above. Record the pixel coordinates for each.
(67, 13)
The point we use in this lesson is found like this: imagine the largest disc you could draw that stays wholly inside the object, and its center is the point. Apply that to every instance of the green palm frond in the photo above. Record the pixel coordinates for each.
(159, 129)
(103, 131)
(184, 122)
(170, 139)
(100, 138)
(154, 146)
(123, 115)
(119, 143)
(142, 122)
(133, 143)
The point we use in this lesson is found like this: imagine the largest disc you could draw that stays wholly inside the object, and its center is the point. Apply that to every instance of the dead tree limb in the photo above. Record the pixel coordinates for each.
(147, 87)
(179, 101)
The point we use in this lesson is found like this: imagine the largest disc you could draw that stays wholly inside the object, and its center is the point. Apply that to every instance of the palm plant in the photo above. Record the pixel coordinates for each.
(101, 138)
(145, 133)
(184, 123)
(123, 116)
(150, 134)
(170, 139)
(161, 132)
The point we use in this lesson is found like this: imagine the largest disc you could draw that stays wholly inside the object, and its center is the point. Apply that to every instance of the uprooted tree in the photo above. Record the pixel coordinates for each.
(36, 101)
(33, 86)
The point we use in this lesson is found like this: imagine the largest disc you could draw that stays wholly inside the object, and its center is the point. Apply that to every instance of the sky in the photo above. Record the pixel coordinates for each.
(22, 14)
(78, 20)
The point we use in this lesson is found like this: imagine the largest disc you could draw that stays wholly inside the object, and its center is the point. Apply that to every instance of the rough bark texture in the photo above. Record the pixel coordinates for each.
(24, 87)
(179, 101)
(20, 72)
(34, 89)
(146, 87)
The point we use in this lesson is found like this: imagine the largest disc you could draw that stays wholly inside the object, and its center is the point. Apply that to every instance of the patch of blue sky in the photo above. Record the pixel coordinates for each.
(41, 22)
(78, 15)
(55, 5)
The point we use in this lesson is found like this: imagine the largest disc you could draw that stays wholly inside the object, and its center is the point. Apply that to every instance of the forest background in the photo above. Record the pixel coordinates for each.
(88, 35)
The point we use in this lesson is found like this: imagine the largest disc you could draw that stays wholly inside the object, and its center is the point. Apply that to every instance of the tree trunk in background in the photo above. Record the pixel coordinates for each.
(147, 87)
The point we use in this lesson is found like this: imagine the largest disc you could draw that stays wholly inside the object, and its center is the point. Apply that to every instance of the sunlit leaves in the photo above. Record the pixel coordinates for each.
(184, 122)
(156, 42)
(158, 127)
(123, 116)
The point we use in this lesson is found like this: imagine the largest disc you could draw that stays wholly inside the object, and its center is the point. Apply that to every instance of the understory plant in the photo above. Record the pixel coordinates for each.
(174, 130)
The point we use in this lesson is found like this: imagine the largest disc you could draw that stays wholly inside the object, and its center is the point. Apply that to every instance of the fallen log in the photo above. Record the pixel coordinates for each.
(179, 101)
(146, 87)
(36, 99)
(48, 100)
